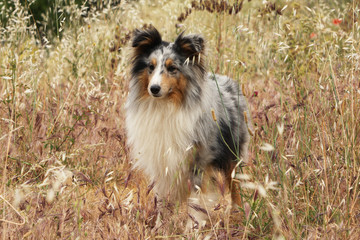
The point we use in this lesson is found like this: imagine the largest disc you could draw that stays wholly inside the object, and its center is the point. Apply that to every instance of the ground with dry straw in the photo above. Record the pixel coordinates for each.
(65, 168)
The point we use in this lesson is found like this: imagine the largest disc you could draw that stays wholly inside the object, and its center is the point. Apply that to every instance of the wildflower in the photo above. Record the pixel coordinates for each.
(336, 21)
(255, 94)
(313, 35)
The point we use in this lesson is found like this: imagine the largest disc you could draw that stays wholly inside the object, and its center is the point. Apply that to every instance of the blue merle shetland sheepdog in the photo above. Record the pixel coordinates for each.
(186, 127)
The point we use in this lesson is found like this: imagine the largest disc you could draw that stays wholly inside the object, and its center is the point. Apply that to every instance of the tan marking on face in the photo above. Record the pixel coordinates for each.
(153, 62)
(168, 62)
(144, 80)
(174, 86)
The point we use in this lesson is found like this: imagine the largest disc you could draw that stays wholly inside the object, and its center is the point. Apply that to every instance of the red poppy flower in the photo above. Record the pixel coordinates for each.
(312, 35)
(336, 21)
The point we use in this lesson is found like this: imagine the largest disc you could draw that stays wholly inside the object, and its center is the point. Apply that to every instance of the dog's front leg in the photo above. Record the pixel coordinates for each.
(205, 193)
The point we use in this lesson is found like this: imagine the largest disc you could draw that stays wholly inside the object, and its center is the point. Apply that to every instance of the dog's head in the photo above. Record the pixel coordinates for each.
(167, 70)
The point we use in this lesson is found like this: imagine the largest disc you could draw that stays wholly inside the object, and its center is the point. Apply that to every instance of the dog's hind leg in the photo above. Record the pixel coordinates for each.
(234, 187)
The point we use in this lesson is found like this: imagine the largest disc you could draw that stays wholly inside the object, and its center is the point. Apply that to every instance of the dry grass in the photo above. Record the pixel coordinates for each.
(65, 171)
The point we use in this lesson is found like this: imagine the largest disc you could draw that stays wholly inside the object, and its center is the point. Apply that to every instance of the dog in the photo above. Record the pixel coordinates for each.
(185, 127)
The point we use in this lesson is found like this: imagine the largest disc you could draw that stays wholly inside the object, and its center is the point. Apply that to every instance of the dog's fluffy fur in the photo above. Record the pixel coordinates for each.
(170, 117)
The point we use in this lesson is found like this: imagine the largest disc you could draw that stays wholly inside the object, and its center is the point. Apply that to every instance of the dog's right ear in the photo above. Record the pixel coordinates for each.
(145, 40)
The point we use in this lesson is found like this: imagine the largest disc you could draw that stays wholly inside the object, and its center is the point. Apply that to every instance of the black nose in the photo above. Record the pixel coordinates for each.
(155, 89)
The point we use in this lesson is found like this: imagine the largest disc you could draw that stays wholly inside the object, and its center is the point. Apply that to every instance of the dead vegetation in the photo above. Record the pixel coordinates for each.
(65, 168)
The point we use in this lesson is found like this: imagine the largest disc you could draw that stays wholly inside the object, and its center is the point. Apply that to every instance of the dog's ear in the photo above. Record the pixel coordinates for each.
(189, 45)
(145, 40)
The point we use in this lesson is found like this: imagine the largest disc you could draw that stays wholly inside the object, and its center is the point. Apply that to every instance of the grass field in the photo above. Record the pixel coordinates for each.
(65, 168)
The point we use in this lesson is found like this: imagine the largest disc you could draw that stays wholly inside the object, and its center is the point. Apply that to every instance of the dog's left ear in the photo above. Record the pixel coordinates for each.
(189, 45)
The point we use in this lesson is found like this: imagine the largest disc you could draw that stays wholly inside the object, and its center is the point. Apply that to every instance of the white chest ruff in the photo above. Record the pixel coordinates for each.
(161, 138)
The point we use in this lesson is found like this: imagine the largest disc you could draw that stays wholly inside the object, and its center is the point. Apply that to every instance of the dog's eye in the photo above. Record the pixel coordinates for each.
(151, 67)
(171, 69)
